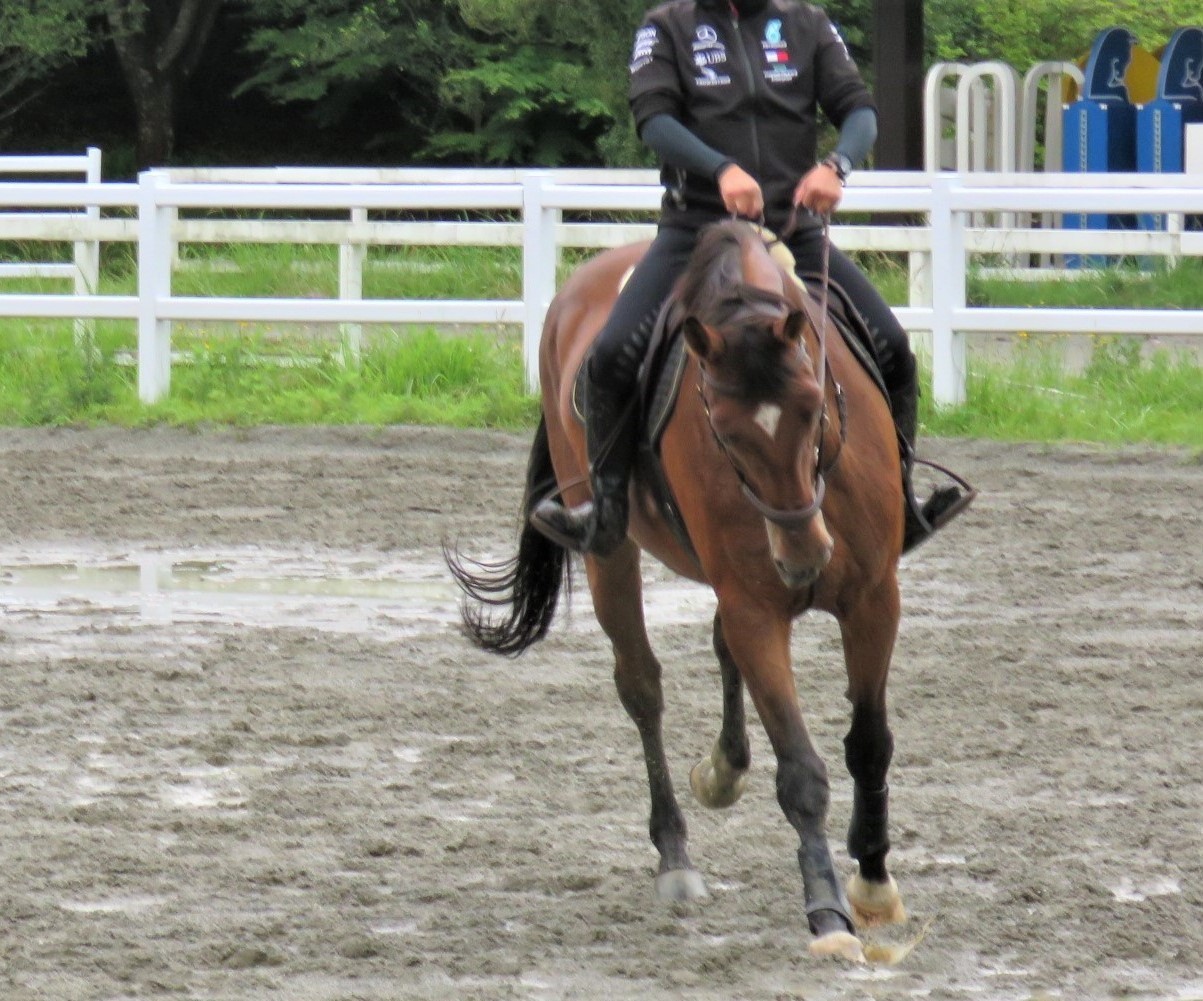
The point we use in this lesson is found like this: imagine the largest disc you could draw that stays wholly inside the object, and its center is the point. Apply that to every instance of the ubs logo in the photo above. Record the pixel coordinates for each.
(709, 58)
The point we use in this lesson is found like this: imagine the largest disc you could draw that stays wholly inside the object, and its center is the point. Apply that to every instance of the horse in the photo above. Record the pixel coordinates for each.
(783, 459)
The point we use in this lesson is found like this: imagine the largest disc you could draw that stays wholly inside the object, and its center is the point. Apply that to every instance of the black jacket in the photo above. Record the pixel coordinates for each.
(747, 87)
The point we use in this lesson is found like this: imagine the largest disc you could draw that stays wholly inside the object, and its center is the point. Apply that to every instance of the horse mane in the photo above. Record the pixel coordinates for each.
(713, 291)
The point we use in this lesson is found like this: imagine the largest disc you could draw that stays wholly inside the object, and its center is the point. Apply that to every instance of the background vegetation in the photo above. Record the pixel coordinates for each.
(1047, 388)
(465, 82)
(355, 82)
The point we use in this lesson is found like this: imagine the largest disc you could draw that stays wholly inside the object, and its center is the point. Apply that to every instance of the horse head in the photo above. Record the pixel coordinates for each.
(745, 323)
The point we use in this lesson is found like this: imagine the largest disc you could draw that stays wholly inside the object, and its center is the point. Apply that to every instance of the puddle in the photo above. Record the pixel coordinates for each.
(1129, 891)
(338, 592)
(252, 587)
(112, 905)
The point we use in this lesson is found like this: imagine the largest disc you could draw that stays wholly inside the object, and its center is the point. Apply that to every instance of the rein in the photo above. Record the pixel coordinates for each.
(800, 516)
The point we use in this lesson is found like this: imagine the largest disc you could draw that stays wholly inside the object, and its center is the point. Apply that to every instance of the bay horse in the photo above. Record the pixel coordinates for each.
(783, 459)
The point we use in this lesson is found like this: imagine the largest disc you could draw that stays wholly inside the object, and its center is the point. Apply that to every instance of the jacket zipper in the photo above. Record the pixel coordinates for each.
(753, 89)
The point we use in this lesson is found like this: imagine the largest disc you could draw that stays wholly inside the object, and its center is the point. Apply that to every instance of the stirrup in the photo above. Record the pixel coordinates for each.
(551, 518)
(596, 527)
(944, 504)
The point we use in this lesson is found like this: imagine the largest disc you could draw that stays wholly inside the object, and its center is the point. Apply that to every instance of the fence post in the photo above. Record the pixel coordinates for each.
(538, 267)
(154, 283)
(86, 256)
(919, 287)
(351, 256)
(948, 293)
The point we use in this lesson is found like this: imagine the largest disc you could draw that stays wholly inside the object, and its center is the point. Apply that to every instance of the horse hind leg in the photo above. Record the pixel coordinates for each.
(718, 780)
(618, 603)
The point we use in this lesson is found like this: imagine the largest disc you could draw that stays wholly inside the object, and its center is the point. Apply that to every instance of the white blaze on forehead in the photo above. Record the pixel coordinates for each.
(768, 416)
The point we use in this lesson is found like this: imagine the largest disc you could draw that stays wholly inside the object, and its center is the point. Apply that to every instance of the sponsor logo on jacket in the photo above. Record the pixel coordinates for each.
(645, 46)
(778, 67)
(709, 58)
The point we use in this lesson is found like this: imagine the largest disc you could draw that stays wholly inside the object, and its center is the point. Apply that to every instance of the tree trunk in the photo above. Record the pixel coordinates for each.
(158, 43)
(156, 125)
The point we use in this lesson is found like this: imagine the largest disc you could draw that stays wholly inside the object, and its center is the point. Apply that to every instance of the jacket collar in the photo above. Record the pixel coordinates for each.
(745, 8)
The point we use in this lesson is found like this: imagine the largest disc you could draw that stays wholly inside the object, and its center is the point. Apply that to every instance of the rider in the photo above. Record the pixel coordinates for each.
(725, 93)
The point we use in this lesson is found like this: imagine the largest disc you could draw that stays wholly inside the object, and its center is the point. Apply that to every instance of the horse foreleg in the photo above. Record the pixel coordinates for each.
(759, 643)
(718, 781)
(617, 591)
(869, 631)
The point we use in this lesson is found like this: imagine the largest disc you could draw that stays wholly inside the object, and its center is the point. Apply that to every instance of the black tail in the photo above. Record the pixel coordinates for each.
(529, 584)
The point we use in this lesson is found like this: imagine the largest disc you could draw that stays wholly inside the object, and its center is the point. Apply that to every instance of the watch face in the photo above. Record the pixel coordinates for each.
(845, 165)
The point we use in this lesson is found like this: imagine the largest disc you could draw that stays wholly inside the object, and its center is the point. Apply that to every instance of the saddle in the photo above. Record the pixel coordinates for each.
(662, 373)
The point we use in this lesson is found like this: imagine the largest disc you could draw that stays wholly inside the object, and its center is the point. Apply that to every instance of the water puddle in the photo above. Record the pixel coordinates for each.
(112, 905)
(251, 587)
(338, 592)
(1130, 891)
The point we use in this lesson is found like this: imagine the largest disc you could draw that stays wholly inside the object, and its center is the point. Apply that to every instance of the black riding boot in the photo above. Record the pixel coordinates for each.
(599, 525)
(946, 502)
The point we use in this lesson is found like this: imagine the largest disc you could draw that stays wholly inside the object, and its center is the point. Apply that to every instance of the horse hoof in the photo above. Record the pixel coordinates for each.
(715, 783)
(875, 904)
(680, 885)
(838, 945)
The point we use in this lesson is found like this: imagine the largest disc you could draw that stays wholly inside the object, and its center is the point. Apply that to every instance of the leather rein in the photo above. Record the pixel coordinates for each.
(793, 519)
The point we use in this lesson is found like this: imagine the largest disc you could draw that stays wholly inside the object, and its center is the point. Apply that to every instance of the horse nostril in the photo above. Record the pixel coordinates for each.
(797, 577)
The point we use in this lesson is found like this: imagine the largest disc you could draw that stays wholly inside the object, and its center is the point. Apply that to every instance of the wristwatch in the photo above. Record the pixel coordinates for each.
(840, 164)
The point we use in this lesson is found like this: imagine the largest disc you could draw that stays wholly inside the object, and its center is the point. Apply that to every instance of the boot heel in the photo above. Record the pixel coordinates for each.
(570, 528)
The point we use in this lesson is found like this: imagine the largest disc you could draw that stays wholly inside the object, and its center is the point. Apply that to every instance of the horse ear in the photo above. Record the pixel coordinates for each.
(698, 339)
(793, 325)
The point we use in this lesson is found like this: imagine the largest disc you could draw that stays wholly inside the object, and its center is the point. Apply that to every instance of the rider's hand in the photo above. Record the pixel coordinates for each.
(820, 190)
(741, 194)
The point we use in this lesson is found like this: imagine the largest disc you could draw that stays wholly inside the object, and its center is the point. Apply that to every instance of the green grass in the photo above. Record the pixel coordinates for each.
(243, 374)
(248, 378)
(1118, 398)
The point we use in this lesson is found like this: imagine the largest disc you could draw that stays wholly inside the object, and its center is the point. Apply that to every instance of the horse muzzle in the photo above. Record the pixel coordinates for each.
(800, 557)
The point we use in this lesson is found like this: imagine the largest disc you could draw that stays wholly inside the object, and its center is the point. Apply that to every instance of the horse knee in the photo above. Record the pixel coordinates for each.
(803, 791)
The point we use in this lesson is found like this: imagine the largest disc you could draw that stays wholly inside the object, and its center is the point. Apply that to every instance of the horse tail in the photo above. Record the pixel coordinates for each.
(528, 585)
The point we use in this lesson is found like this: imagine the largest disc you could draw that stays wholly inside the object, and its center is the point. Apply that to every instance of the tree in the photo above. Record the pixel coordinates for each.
(533, 93)
(158, 44)
(484, 81)
(336, 56)
(1025, 32)
(36, 38)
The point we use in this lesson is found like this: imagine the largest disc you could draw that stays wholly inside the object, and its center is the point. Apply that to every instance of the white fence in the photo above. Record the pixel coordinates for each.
(940, 249)
(84, 269)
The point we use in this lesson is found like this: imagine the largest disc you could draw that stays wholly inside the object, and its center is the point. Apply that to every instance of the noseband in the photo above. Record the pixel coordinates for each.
(784, 519)
(822, 371)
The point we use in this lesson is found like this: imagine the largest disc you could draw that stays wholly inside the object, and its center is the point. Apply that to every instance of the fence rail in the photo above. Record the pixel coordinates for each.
(957, 211)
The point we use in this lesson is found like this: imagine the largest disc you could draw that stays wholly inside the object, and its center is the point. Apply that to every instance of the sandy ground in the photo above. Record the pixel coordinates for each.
(247, 754)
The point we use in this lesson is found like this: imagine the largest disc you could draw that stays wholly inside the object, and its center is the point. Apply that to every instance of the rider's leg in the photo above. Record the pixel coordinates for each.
(899, 371)
(600, 525)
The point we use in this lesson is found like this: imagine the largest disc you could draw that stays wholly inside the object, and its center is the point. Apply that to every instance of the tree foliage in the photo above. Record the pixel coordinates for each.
(36, 38)
(540, 82)
(1025, 32)
(482, 81)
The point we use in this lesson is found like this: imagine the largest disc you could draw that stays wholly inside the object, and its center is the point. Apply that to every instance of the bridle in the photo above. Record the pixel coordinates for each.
(793, 519)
